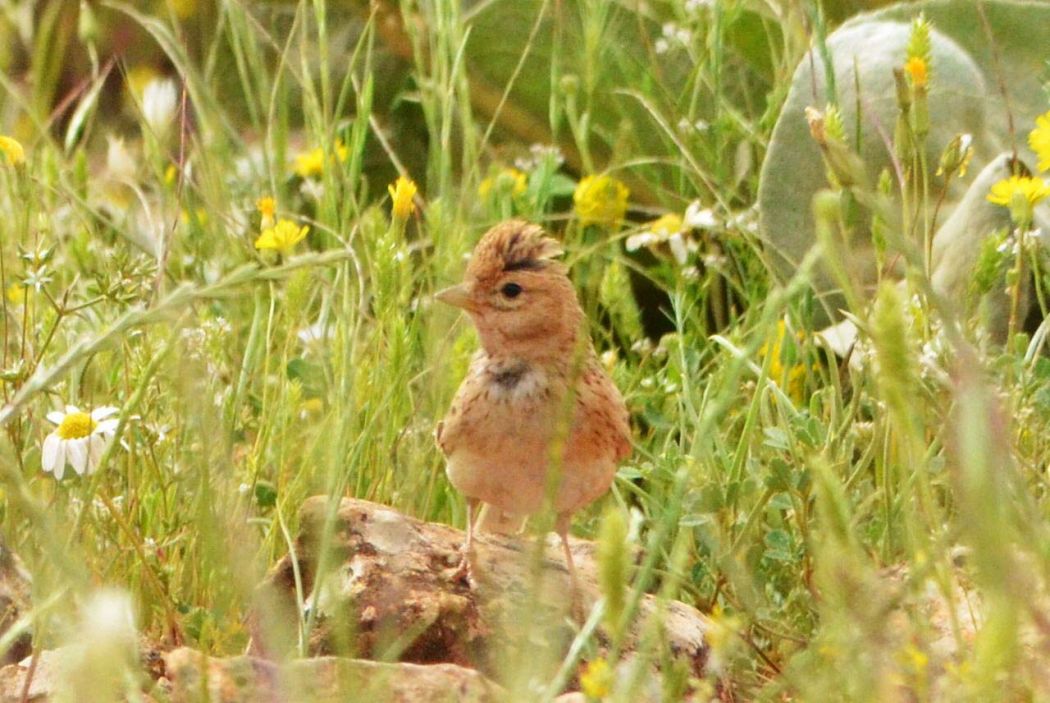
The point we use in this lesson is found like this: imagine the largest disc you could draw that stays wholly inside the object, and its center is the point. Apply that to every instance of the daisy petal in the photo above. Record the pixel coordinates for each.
(96, 447)
(72, 409)
(102, 413)
(50, 452)
(56, 416)
(60, 461)
(107, 426)
(78, 452)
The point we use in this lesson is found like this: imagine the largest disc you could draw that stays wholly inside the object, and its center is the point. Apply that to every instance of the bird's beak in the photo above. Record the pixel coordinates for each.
(455, 295)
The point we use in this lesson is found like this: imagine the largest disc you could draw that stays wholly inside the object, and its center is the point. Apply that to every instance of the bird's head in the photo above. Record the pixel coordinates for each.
(518, 296)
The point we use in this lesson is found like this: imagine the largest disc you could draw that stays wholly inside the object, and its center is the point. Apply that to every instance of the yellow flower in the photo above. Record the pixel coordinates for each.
(13, 152)
(1019, 193)
(184, 9)
(16, 293)
(600, 200)
(791, 376)
(311, 163)
(267, 208)
(917, 71)
(200, 215)
(1039, 140)
(402, 191)
(596, 679)
(509, 179)
(282, 238)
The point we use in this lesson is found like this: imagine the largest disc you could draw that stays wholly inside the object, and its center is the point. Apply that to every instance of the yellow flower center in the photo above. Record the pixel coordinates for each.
(76, 426)
(666, 225)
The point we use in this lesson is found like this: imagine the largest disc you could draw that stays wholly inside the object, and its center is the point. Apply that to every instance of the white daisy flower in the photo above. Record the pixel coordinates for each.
(699, 217)
(668, 230)
(315, 335)
(158, 104)
(79, 440)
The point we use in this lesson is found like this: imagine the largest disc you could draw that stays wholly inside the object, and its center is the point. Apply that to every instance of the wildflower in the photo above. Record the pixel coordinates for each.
(158, 104)
(282, 237)
(917, 70)
(79, 440)
(788, 376)
(1020, 194)
(184, 9)
(699, 217)
(600, 200)
(508, 180)
(668, 229)
(673, 35)
(541, 155)
(137, 78)
(13, 152)
(267, 207)
(311, 408)
(316, 334)
(402, 191)
(685, 126)
(918, 53)
(311, 163)
(596, 679)
(16, 293)
(1039, 140)
(119, 162)
(721, 637)
(957, 156)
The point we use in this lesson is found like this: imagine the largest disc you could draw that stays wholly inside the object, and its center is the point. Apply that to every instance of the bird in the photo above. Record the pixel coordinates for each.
(537, 421)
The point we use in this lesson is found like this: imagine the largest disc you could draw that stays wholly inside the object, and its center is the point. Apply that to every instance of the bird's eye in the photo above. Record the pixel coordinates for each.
(511, 290)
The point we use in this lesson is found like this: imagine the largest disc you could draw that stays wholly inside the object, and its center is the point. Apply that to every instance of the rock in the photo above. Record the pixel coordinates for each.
(197, 678)
(50, 676)
(45, 678)
(393, 590)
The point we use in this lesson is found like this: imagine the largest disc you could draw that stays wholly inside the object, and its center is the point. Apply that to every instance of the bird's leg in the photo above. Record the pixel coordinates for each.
(472, 504)
(465, 569)
(561, 526)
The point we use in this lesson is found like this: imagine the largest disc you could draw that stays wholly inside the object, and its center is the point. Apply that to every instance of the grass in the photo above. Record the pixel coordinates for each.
(815, 506)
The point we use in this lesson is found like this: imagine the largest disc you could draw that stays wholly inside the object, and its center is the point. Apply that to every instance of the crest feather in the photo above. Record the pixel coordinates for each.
(514, 246)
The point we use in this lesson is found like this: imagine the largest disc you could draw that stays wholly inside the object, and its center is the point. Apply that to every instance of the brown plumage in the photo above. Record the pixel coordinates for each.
(535, 395)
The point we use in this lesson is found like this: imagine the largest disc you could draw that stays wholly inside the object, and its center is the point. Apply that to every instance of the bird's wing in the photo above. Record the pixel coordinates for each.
(606, 410)
(449, 431)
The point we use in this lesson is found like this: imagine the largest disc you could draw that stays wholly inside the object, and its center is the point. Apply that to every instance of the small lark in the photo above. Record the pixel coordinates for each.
(535, 397)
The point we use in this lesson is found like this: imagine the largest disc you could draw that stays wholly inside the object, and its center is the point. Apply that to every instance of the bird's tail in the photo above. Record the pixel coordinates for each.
(492, 519)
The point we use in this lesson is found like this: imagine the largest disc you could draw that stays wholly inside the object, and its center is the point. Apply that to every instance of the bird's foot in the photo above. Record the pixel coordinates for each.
(464, 570)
